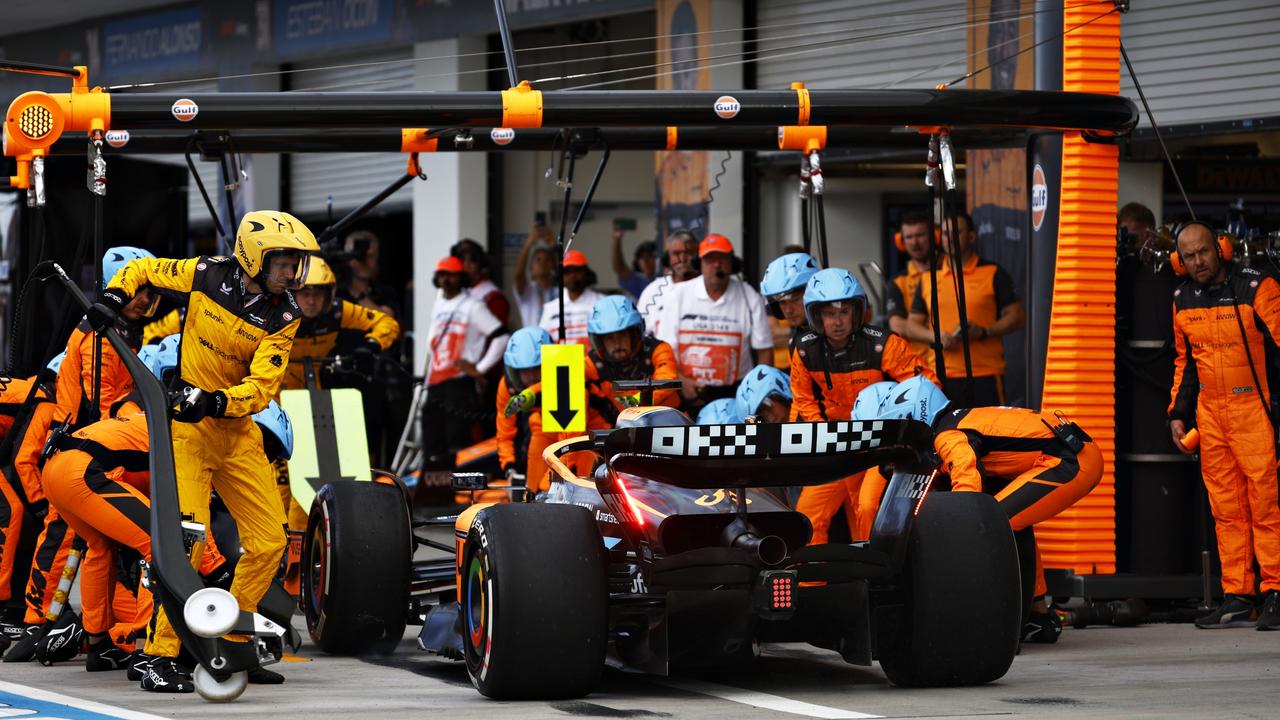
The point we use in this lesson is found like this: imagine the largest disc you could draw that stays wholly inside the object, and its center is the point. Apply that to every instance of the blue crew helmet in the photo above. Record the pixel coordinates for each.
(614, 314)
(275, 423)
(787, 274)
(761, 386)
(164, 360)
(524, 352)
(148, 357)
(117, 257)
(914, 398)
(720, 412)
(867, 404)
(831, 287)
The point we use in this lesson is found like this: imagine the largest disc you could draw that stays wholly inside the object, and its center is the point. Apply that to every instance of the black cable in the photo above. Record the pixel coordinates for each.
(957, 274)
(203, 193)
(1248, 354)
(1156, 129)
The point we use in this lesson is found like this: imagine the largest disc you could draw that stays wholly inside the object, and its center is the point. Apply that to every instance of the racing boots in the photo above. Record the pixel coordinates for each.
(1269, 618)
(1042, 627)
(24, 648)
(63, 641)
(105, 655)
(11, 626)
(1235, 611)
(164, 675)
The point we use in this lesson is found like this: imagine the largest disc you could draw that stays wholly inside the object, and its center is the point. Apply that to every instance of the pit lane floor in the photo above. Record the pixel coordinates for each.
(1155, 671)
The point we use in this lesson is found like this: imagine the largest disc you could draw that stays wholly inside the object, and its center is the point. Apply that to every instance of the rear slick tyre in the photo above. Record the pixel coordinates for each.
(962, 614)
(534, 602)
(356, 560)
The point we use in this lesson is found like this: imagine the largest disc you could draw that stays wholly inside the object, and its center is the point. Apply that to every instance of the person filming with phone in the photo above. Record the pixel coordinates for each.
(633, 278)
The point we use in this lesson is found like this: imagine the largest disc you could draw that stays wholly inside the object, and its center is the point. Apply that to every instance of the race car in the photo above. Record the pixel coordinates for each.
(645, 567)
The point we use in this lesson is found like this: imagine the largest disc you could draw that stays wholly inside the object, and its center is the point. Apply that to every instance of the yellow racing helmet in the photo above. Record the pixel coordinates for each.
(320, 275)
(264, 232)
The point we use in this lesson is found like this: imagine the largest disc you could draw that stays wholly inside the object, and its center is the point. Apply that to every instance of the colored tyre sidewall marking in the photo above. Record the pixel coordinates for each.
(479, 600)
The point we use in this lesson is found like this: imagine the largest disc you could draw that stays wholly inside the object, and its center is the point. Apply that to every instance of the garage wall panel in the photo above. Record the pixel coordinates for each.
(350, 178)
(1203, 62)
(835, 43)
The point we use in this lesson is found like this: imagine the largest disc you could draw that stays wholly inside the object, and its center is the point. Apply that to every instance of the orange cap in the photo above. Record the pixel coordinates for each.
(715, 243)
(573, 258)
(449, 264)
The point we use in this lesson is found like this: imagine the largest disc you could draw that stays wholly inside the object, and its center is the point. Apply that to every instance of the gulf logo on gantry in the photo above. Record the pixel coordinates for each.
(185, 109)
(727, 107)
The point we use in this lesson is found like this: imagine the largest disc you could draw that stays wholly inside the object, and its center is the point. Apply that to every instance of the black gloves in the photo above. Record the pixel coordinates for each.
(365, 354)
(206, 404)
(103, 313)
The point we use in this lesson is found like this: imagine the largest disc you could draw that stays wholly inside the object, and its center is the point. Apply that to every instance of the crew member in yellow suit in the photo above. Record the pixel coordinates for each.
(236, 339)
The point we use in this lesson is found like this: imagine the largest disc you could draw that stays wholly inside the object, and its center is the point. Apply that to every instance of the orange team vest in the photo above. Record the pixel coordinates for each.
(987, 289)
(898, 303)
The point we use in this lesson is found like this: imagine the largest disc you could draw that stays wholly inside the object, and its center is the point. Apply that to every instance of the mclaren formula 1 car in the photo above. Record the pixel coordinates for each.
(676, 551)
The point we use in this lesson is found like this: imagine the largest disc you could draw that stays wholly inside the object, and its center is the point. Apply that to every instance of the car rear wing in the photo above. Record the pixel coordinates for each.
(762, 454)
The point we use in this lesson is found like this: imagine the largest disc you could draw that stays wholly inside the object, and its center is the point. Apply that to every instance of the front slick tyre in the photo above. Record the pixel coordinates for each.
(534, 602)
(962, 613)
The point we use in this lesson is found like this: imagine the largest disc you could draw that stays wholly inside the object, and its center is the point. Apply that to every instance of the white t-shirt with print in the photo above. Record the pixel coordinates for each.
(576, 314)
(714, 339)
(460, 328)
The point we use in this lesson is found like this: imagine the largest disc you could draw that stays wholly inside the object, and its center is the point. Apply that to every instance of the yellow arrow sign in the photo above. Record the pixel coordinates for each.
(564, 388)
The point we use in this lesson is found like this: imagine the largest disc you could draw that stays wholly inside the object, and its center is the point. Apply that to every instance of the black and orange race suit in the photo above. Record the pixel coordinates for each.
(238, 342)
(74, 407)
(318, 336)
(99, 480)
(19, 399)
(515, 441)
(654, 360)
(537, 475)
(825, 382)
(1215, 388)
(1012, 454)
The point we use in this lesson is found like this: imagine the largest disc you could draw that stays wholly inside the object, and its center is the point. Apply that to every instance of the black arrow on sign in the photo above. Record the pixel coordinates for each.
(564, 414)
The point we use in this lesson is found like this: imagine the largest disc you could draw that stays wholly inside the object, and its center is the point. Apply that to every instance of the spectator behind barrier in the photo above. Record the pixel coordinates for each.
(677, 266)
(716, 324)
(465, 342)
(579, 299)
(535, 274)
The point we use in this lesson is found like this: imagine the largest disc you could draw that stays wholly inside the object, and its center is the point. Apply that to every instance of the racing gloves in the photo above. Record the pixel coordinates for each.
(365, 354)
(206, 404)
(521, 402)
(103, 313)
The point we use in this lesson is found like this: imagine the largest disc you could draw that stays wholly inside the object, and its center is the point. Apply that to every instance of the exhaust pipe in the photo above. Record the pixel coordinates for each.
(769, 550)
